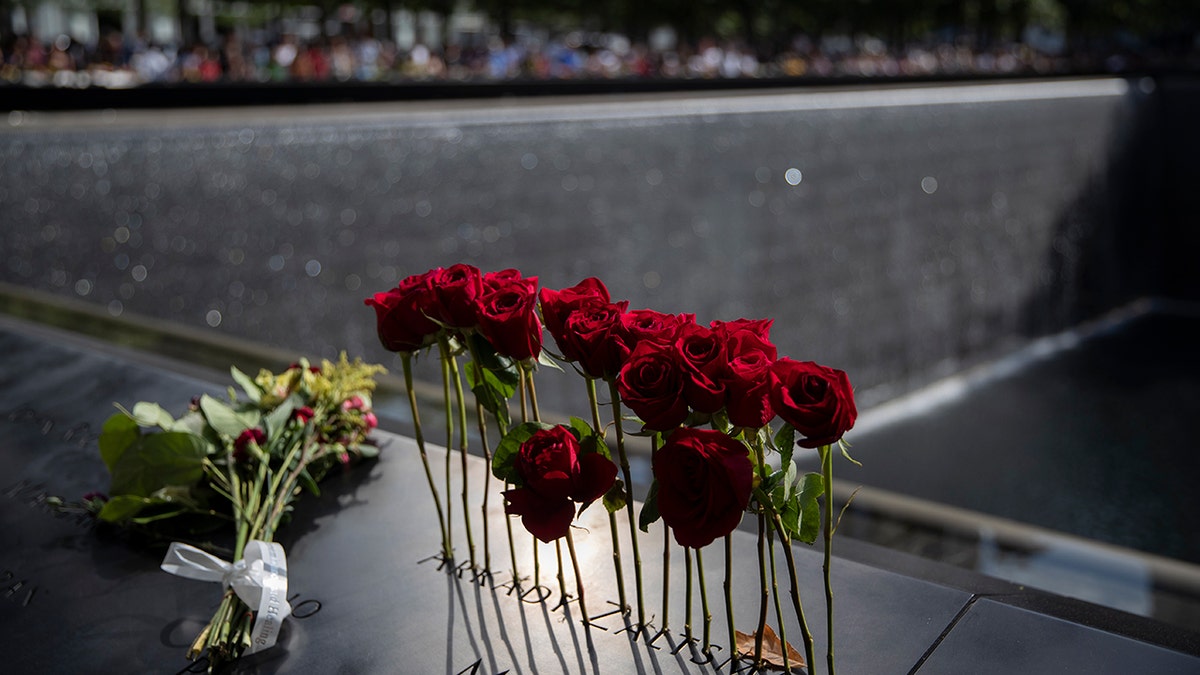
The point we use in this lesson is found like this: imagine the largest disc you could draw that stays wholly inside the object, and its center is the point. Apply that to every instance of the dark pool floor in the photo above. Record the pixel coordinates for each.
(1097, 440)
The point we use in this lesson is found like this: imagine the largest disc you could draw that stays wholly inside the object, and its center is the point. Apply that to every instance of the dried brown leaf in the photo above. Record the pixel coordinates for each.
(772, 649)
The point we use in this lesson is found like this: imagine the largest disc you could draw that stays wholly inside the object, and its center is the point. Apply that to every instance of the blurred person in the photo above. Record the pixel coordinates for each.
(232, 58)
(151, 64)
(283, 57)
(341, 59)
(367, 55)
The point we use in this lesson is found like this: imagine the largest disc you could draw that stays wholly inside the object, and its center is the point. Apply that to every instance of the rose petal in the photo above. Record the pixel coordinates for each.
(545, 519)
(597, 474)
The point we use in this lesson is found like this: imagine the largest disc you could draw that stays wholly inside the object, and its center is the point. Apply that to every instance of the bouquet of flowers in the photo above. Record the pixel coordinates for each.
(235, 467)
(706, 396)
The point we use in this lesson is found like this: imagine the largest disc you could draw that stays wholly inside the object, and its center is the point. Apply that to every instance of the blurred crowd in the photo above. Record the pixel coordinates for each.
(119, 60)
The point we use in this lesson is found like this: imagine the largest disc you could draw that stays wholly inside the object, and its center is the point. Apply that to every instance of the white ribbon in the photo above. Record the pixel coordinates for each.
(259, 579)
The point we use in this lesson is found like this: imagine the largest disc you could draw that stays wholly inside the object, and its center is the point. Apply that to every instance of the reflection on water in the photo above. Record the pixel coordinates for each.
(1087, 433)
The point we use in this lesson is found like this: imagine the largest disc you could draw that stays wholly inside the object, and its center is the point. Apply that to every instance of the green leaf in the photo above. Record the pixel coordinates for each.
(192, 422)
(151, 414)
(143, 520)
(790, 515)
(782, 482)
(307, 480)
(581, 428)
(493, 389)
(589, 440)
(121, 508)
(649, 512)
(763, 436)
(119, 432)
(224, 419)
(785, 442)
(720, 421)
(545, 359)
(155, 461)
(770, 484)
(615, 499)
(504, 459)
(812, 486)
(253, 392)
(276, 421)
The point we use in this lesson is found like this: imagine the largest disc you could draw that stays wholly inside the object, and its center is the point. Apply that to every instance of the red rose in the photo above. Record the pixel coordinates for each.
(651, 385)
(241, 446)
(458, 289)
(641, 325)
(402, 314)
(587, 337)
(704, 483)
(556, 473)
(546, 519)
(558, 305)
(702, 353)
(508, 318)
(499, 278)
(747, 380)
(817, 400)
(760, 328)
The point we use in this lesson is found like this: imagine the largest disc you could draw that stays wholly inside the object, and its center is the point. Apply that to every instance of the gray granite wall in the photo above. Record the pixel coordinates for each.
(894, 239)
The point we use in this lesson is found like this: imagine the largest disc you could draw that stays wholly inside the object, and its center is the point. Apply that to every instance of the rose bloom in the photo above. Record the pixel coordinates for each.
(241, 445)
(641, 325)
(747, 380)
(651, 385)
(556, 474)
(702, 353)
(402, 314)
(508, 318)
(587, 337)
(493, 279)
(760, 328)
(817, 400)
(558, 305)
(458, 289)
(704, 483)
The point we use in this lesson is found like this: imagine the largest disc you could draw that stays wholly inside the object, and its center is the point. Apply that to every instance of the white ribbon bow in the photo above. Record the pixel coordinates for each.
(259, 579)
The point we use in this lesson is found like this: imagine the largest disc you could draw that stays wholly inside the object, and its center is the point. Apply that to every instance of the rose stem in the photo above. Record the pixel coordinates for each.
(537, 568)
(512, 547)
(578, 579)
(406, 359)
(704, 601)
(666, 584)
(444, 350)
(687, 605)
(775, 597)
(827, 470)
(521, 389)
(487, 477)
(462, 452)
(487, 460)
(612, 517)
(762, 558)
(533, 403)
(562, 581)
(762, 603)
(625, 472)
(666, 596)
(729, 597)
(805, 634)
